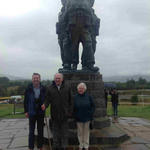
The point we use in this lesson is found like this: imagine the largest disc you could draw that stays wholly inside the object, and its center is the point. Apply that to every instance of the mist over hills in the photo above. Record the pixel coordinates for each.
(11, 77)
(105, 78)
(125, 78)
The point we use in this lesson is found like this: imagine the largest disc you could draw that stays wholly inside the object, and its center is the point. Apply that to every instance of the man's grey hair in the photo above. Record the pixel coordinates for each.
(83, 85)
(60, 75)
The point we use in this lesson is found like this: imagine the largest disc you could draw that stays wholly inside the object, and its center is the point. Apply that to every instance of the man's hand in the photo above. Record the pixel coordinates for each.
(27, 115)
(43, 107)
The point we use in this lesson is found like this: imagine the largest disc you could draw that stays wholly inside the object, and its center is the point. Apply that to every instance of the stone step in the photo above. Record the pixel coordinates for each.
(111, 135)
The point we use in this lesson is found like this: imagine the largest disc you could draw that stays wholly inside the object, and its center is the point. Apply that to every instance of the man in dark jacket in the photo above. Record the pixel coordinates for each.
(106, 97)
(59, 96)
(114, 100)
(34, 98)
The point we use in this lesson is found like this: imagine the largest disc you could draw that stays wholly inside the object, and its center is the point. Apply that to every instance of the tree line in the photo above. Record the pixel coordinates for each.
(16, 87)
(9, 87)
(141, 83)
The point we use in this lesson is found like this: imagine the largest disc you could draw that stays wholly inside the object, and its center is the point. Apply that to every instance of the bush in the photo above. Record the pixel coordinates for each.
(134, 99)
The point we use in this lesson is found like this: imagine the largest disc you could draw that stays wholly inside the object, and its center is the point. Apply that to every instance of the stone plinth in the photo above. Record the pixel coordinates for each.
(95, 87)
(107, 136)
(104, 132)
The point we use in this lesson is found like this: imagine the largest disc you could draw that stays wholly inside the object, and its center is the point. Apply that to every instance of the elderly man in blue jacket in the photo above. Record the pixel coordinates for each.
(34, 98)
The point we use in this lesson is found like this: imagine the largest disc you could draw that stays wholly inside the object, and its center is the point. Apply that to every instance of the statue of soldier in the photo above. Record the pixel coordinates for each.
(95, 30)
(63, 37)
(60, 31)
(78, 22)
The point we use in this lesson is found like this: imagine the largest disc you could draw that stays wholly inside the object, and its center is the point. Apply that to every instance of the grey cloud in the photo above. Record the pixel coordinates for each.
(122, 47)
(124, 39)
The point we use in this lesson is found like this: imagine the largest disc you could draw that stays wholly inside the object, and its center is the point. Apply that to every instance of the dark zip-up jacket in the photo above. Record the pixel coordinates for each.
(60, 101)
(114, 98)
(30, 105)
(84, 107)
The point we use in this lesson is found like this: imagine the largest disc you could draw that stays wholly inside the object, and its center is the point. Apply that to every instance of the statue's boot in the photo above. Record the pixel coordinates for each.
(67, 67)
(94, 69)
(90, 68)
(85, 68)
(74, 67)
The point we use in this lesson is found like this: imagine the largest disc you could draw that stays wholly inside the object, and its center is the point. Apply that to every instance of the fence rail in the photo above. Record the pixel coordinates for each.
(16, 108)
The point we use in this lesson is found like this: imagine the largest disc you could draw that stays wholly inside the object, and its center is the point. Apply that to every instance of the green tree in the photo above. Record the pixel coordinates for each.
(3, 91)
(4, 80)
(130, 84)
(21, 90)
(142, 81)
(134, 99)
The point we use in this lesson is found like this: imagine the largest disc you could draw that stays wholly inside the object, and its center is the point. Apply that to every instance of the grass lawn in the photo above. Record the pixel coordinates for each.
(6, 111)
(131, 111)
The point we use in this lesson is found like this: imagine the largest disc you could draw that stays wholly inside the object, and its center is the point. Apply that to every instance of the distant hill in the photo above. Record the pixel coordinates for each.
(105, 78)
(11, 77)
(124, 78)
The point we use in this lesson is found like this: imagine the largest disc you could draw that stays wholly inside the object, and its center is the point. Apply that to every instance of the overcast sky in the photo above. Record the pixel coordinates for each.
(28, 40)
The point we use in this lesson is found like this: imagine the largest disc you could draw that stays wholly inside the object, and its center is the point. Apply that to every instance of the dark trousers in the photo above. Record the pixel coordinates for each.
(106, 103)
(115, 109)
(40, 123)
(60, 134)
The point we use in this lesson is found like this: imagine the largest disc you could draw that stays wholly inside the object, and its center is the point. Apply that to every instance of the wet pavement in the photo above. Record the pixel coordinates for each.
(14, 134)
(139, 131)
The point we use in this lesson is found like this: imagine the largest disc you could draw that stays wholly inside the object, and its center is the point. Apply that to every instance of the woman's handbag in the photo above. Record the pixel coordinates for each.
(91, 125)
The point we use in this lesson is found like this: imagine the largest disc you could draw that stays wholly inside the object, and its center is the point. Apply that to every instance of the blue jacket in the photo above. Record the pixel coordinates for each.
(84, 108)
(30, 105)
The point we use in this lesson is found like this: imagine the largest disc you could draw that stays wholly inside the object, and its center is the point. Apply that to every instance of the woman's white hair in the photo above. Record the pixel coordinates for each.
(83, 85)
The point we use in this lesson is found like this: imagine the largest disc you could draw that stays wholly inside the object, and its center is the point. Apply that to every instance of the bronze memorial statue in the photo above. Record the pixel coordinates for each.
(77, 23)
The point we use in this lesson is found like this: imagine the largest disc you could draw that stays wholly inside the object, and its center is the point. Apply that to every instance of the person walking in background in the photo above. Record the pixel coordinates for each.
(33, 99)
(114, 100)
(59, 96)
(110, 93)
(106, 97)
(83, 111)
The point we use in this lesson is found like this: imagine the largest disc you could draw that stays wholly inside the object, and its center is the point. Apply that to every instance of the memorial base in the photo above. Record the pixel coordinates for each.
(103, 131)
(95, 88)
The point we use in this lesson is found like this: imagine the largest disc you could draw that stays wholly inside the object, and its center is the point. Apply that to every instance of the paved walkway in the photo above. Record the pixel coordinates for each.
(139, 131)
(14, 134)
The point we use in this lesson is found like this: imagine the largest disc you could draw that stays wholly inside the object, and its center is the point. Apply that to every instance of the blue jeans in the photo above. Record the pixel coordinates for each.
(40, 123)
(115, 109)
